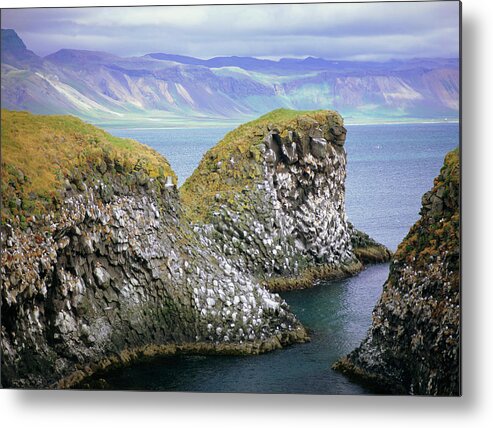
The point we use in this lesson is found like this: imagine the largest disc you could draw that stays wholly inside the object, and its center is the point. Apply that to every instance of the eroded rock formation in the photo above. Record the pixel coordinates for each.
(115, 272)
(283, 216)
(100, 264)
(413, 345)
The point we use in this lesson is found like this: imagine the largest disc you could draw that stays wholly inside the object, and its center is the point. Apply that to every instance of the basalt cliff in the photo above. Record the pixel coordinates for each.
(105, 262)
(271, 198)
(413, 345)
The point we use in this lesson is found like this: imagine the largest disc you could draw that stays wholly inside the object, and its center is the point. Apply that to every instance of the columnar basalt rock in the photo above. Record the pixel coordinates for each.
(115, 271)
(286, 221)
(104, 262)
(413, 345)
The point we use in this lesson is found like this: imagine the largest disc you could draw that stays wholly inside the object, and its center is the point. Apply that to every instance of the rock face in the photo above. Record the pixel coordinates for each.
(104, 261)
(277, 206)
(413, 345)
(366, 249)
(114, 270)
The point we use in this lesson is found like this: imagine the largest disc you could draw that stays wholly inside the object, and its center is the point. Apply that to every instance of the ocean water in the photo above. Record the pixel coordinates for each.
(389, 168)
(183, 147)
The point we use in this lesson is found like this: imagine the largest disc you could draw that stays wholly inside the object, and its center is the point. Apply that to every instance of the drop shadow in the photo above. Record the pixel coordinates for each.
(470, 222)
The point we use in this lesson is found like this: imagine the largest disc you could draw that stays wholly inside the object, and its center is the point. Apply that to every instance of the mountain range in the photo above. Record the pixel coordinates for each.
(161, 88)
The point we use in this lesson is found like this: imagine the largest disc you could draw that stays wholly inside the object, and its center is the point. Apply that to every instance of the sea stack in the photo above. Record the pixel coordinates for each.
(271, 197)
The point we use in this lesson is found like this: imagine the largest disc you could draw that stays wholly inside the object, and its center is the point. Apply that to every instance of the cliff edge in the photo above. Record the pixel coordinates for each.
(413, 345)
(271, 197)
(100, 267)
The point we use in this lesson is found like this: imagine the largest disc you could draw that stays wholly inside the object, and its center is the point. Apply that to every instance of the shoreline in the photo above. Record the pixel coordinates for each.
(232, 125)
(376, 382)
(76, 379)
(311, 276)
(87, 376)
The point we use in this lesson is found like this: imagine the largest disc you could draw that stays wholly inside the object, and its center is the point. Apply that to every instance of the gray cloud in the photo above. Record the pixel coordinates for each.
(338, 31)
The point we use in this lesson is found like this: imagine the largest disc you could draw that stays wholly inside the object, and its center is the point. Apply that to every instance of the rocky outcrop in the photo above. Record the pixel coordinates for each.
(109, 270)
(271, 198)
(104, 262)
(413, 345)
(366, 249)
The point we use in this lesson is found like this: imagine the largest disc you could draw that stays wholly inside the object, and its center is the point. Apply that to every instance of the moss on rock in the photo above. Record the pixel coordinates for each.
(413, 345)
(271, 196)
(309, 276)
(234, 164)
(89, 376)
(44, 155)
(366, 249)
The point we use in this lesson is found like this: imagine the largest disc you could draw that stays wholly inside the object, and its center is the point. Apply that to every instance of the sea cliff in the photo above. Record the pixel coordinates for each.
(271, 197)
(413, 345)
(104, 261)
(99, 266)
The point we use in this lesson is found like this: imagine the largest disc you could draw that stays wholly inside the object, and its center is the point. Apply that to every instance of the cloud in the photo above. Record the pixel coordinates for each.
(338, 31)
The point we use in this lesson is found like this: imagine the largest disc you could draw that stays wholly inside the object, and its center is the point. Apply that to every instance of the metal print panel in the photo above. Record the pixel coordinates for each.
(242, 198)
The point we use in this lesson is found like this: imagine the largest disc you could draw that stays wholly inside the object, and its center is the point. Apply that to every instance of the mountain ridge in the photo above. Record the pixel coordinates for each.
(165, 88)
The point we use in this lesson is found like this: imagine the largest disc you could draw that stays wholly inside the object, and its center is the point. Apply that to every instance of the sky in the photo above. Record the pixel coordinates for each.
(352, 31)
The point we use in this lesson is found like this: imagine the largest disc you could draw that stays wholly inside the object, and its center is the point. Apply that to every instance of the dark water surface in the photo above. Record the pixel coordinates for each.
(338, 314)
(389, 168)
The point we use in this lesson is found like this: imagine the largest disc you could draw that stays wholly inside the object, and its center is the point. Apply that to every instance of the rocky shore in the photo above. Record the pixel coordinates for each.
(104, 262)
(413, 345)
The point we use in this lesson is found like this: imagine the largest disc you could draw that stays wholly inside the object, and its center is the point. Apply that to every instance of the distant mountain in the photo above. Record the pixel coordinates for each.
(291, 65)
(246, 63)
(165, 88)
(14, 51)
(80, 58)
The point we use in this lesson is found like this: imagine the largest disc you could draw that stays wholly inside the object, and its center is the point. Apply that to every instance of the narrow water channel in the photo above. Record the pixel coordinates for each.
(389, 168)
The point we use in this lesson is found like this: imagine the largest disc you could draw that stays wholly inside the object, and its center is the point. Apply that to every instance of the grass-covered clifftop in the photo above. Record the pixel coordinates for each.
(437, 233)
(41, 154)
(234, 163)
(271, 196)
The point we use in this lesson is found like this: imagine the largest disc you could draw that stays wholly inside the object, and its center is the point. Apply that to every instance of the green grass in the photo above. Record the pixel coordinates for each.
(40, 152)
(217, 180)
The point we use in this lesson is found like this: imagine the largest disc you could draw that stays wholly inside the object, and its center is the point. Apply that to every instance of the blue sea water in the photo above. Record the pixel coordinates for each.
(389, 169)
(183, 147)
